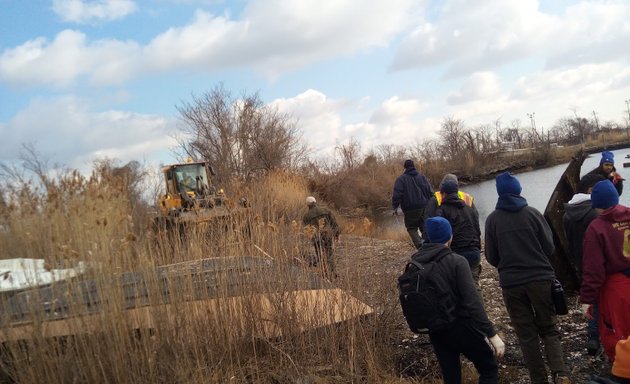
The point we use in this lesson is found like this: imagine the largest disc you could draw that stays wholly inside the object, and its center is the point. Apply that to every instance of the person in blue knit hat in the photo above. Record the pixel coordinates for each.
(606, 266)
(471, 328)
(518, 242)
(607, 170)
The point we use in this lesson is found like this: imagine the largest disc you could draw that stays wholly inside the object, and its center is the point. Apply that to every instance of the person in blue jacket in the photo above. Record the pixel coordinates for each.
(412, 192)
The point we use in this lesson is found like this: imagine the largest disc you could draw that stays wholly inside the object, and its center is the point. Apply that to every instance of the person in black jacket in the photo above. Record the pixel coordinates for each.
(411, 193)
(518, 242)
(459, 209)
(607, 170)
(472, 334)
(578, 214)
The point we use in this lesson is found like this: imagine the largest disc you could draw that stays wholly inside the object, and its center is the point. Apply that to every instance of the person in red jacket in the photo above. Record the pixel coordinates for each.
(606, 266)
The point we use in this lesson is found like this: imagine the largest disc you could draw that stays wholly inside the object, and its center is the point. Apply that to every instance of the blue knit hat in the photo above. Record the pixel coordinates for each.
(507, 183)
(607, 157)
(438, 230)
(604, 195)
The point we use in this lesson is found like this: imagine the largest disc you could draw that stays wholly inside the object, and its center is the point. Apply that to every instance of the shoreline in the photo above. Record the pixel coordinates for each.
(526, 165)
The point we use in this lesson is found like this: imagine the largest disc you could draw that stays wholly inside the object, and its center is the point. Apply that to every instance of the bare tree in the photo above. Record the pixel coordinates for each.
(239, 136)
(391, 152)
(451, 134)
(485, 138)
(350, 154)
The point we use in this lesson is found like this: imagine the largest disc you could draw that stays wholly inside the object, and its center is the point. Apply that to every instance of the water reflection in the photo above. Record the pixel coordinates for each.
(539, 184)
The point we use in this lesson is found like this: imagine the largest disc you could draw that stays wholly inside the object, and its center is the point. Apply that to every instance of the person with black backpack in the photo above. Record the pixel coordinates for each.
(437, 292)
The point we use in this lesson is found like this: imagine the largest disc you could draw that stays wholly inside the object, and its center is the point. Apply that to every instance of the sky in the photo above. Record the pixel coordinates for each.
(83, 80)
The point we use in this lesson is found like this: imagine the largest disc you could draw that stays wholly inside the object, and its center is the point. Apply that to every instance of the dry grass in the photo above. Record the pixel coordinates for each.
(184, 337)
(241, 340)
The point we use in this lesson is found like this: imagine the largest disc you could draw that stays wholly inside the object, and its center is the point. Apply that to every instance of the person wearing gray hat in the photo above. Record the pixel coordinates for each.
(458, 208)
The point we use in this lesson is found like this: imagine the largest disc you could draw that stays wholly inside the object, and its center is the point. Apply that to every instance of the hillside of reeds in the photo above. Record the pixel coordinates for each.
(150, 307)
(237, 338)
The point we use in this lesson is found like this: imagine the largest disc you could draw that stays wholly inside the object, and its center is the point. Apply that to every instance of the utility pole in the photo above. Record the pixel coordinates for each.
(596, 121)
(628, 123)
(532, 122)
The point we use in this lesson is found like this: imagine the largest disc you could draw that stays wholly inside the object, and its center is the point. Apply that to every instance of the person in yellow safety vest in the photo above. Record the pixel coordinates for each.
(459, 209)
(468, 199)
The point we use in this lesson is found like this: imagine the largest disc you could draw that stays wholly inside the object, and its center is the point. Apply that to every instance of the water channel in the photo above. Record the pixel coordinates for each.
(539, 184)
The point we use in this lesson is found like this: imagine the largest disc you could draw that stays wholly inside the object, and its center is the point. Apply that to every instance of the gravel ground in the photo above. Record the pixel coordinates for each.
(383, 261)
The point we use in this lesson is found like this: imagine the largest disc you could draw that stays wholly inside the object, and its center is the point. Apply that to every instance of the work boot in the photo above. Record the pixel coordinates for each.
(592, 346)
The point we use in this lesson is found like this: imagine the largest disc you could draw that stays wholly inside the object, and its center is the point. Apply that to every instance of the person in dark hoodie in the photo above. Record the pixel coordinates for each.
(412, 192)
(469, 332)
(578, 214)
(518, 242)
(606, 266)
(608, 171)
(459, 209)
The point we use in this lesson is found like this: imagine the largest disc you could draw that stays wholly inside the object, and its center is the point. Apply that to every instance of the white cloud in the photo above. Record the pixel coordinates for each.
(395, 121)
(69, 131)
(68, 57)
(273, 36)
(484, 86)
(318, 117)
(476, 36)
(550, 94)
(86, 12)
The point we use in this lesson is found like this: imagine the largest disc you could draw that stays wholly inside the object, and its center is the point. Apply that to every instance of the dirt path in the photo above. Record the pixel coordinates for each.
(383, 260)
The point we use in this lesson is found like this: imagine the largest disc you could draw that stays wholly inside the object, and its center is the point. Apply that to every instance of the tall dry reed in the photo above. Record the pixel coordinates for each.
(230, 300)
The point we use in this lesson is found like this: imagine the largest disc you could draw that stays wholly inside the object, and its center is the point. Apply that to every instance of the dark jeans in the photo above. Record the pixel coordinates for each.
(474, 261)
(414, 222)
(592, 325)
(324, 250)
(464, 339)
(533, 317)
(473, 256)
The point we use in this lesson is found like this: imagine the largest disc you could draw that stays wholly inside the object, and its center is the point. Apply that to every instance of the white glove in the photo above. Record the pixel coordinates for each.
(498, 346)
(586, 310)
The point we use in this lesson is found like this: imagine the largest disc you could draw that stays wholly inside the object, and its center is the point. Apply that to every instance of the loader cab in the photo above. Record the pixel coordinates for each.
(191, 179)
(185, 185)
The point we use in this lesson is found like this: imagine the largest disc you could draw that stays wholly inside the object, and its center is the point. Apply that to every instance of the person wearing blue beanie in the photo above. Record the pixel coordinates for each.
(604, 195)
(438, 230)
(607, 170)
(470, 333)
(606, 266)
(607, 157)
(519, 242)
(506, 183)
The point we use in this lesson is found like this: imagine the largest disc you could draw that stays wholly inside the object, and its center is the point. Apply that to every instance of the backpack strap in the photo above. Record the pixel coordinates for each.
(414, 263)
(420, 265)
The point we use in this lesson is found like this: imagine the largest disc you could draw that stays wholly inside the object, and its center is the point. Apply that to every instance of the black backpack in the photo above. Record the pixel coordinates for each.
(426, 298)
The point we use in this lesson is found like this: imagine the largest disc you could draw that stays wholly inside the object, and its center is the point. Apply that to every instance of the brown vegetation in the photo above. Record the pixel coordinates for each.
(102, 221)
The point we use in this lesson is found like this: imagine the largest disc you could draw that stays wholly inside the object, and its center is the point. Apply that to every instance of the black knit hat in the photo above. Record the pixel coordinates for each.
(409, 164)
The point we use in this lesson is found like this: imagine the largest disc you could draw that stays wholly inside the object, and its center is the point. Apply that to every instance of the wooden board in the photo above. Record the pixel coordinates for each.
(217, 288)
(308, 309)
